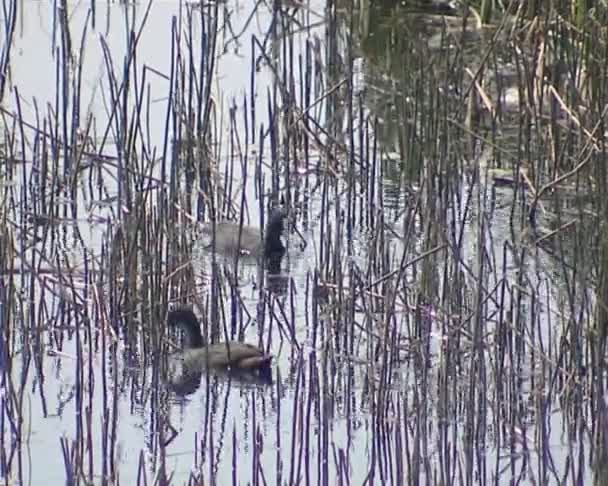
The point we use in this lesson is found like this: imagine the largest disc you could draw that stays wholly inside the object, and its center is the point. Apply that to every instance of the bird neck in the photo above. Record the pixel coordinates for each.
(272, 243)
(192, 333)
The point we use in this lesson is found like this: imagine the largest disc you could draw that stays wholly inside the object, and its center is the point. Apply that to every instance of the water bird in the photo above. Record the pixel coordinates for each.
(197, 356)
(250, 243)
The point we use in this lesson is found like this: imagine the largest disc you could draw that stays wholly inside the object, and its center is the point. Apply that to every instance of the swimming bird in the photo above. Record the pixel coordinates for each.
(196, 356)
(250, 243)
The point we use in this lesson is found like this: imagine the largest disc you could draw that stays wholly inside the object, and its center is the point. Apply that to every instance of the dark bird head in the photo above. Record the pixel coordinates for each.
(273, 246)
(185, 319)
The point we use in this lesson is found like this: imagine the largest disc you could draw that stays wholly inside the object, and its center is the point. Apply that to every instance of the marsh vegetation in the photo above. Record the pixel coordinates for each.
(439, 316)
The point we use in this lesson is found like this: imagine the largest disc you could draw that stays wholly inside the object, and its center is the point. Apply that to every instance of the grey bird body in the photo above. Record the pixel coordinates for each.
(198, 356)
(230, 240)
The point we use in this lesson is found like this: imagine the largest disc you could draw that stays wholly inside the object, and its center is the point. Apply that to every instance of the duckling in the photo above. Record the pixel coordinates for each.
(227, 237)
(198, 356)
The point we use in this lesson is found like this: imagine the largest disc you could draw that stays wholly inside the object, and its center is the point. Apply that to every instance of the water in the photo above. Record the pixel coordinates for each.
(440, 351)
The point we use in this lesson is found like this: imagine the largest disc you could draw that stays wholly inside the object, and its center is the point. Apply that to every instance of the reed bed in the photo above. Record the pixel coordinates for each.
(443, 320)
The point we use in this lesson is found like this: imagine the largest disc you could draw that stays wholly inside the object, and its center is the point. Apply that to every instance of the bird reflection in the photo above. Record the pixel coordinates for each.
(187, 384)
